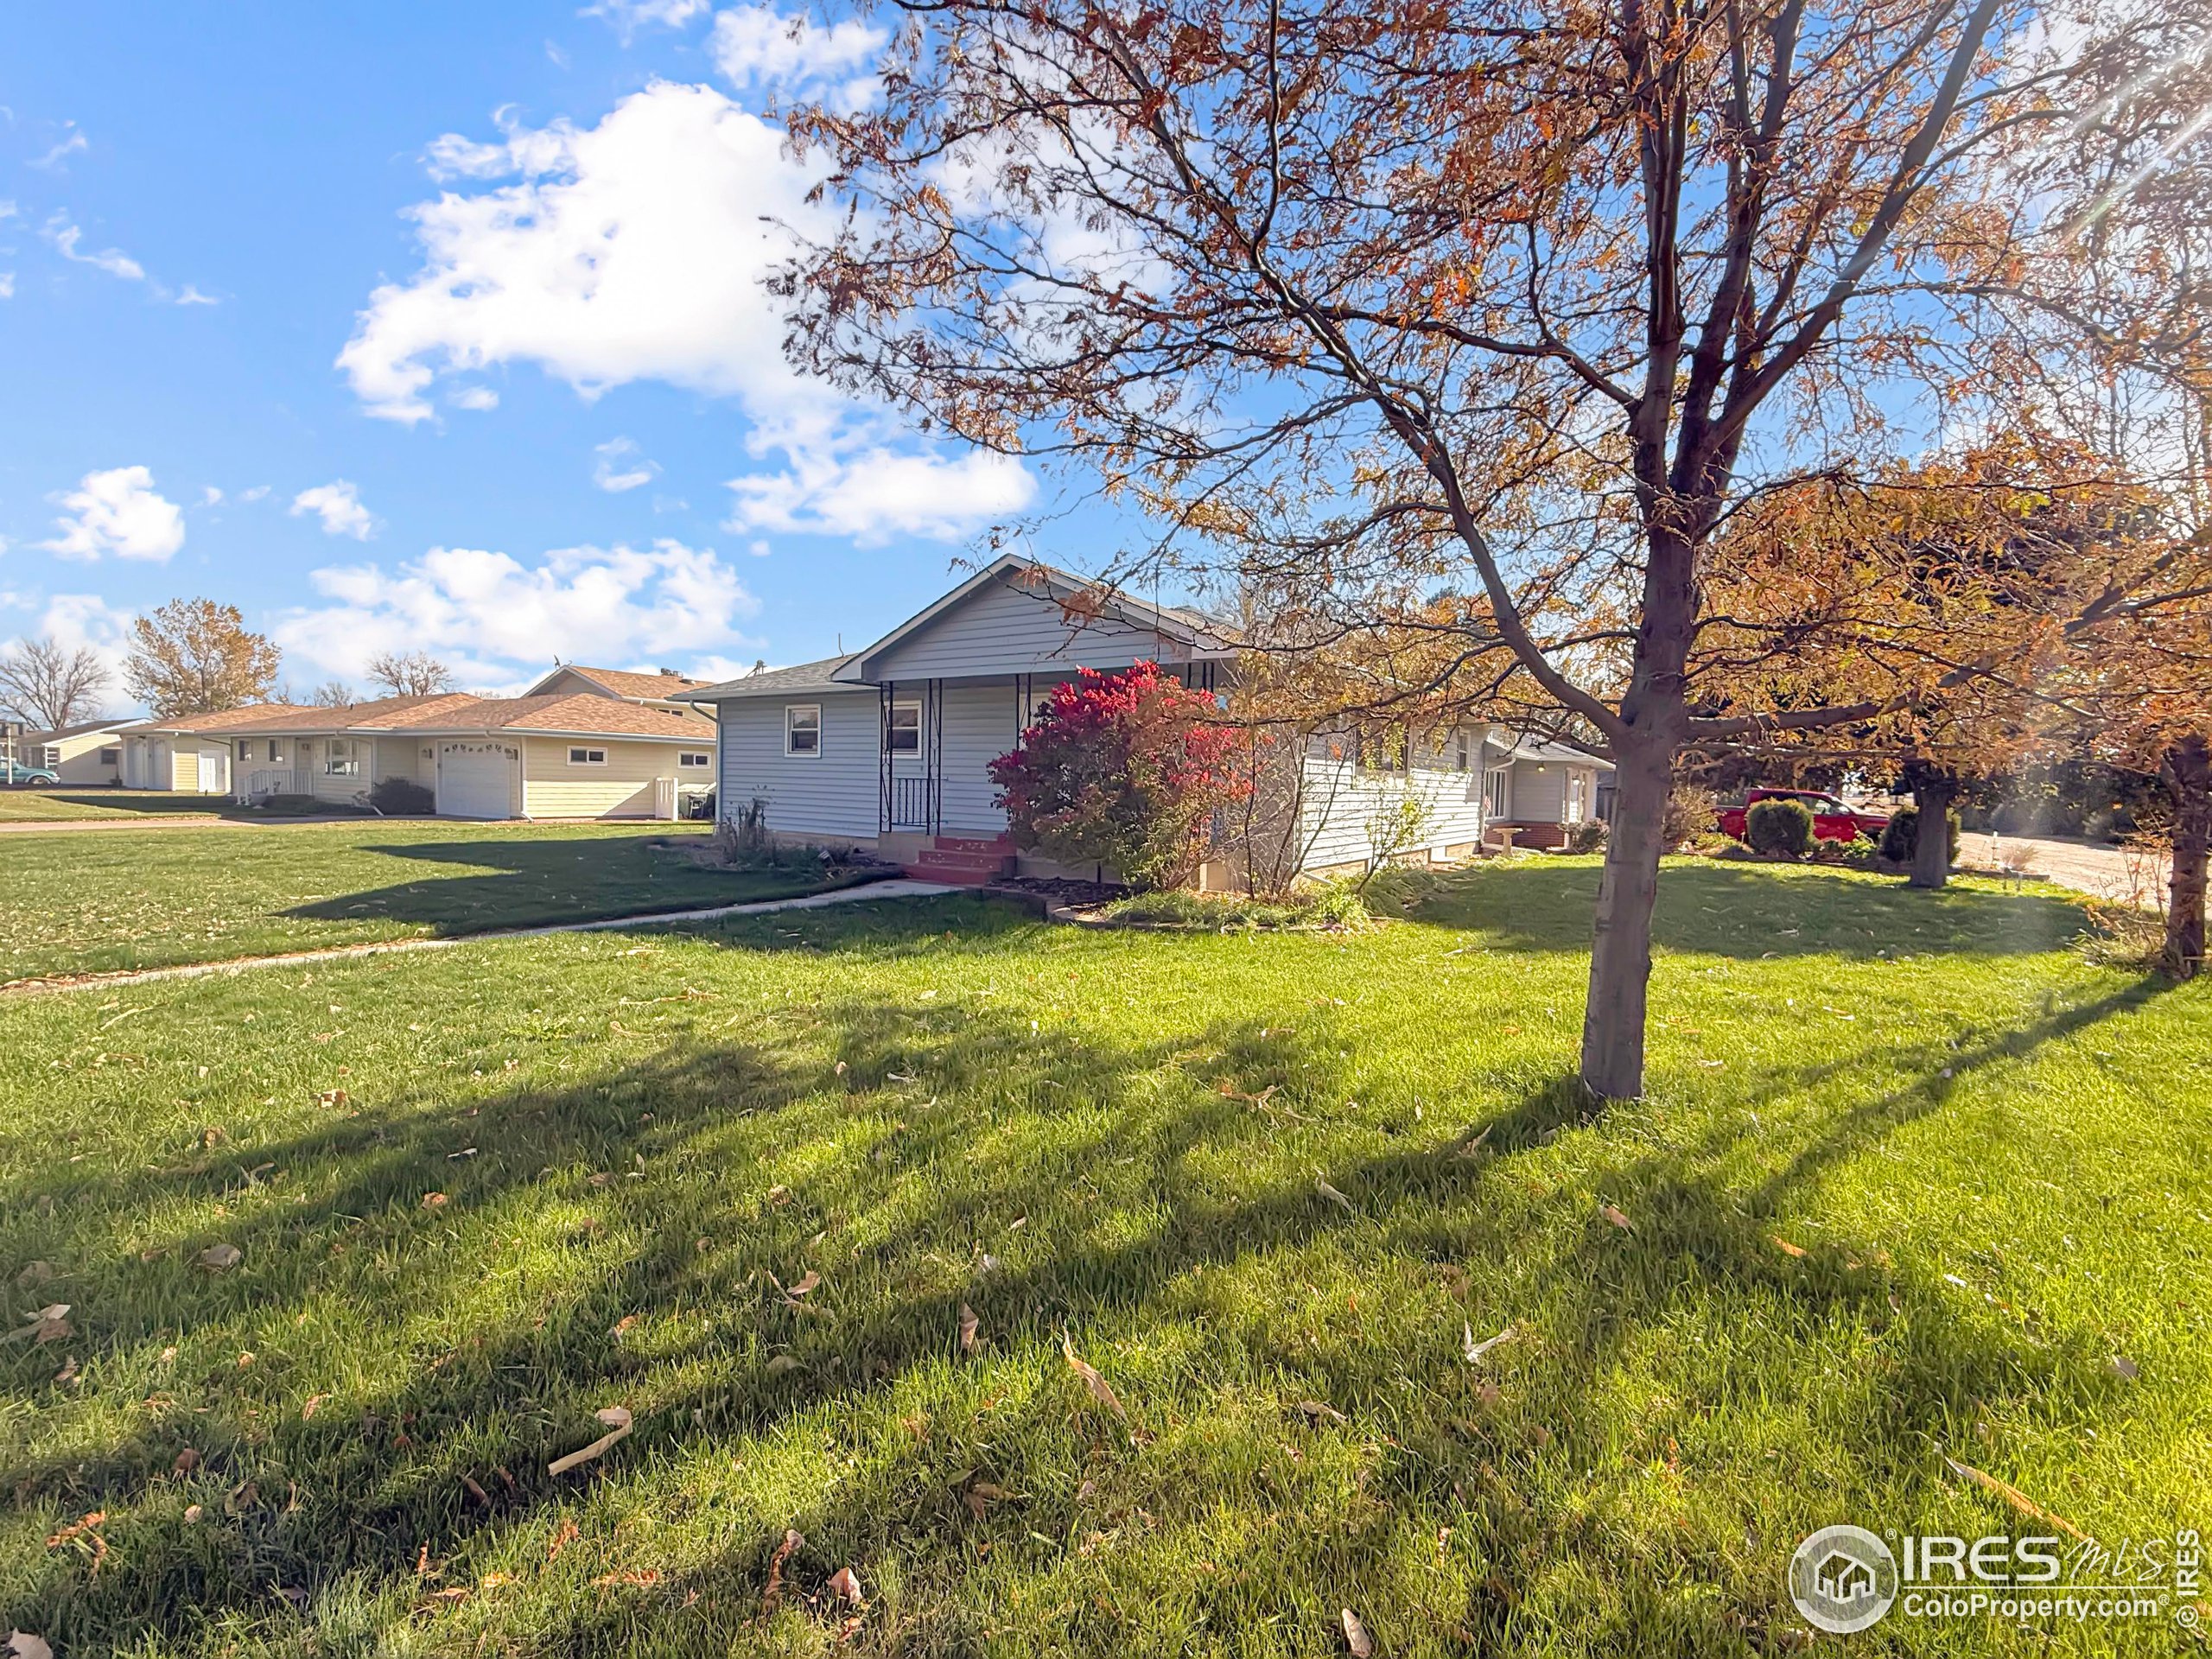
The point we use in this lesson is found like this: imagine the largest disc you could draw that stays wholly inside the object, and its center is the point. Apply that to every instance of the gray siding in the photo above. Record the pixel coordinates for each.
(981, 724)
(836, 792)
(1005, 629)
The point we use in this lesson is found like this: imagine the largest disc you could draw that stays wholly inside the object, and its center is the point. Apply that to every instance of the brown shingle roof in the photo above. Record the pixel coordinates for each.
(623, 684)
(579, 713)
(225, 720)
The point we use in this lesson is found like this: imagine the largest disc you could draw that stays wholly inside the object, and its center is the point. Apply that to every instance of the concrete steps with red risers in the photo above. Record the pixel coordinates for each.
(962, 860)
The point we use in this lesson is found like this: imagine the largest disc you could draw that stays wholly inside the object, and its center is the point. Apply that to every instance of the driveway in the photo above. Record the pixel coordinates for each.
(2116, 873)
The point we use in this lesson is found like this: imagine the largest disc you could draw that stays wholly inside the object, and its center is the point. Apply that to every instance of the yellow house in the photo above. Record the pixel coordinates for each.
(563, 754)
(89, 753)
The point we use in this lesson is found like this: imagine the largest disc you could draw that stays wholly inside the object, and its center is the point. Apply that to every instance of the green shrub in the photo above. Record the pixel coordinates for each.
(402, 797)
(1900, 836)
(1779, 825)
(1328, 904)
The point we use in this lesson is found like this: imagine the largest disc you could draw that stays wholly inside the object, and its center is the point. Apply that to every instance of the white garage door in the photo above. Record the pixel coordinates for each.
(214, 771)
(475, 781)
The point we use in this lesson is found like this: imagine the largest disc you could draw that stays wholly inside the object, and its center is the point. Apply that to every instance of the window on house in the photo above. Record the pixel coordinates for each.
(905, 734)
(341, 758)
(1384, 751)
(583, 757)
(1578, 797)
(802, 728)
(1495, 794)
(111, 757)
(694, 758)
(272, 748)
(245, 749)
(1463, 751)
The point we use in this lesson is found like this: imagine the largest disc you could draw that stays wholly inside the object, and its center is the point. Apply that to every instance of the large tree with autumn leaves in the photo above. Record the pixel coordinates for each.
(1369, 304)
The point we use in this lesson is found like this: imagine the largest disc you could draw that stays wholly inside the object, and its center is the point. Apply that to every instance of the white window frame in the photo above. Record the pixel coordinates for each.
(1578, 797)
(339, 758)
(582, 754)
(896, 730)
(112, 757)
(793, 726)
(245, 749)
(1497, 793)
(694, 759)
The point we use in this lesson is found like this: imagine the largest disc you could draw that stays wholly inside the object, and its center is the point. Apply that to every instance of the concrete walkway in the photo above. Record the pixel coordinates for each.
(866, 891)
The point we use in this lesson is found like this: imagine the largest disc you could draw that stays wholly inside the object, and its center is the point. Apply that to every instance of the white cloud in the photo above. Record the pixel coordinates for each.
(257, 492)
(621, 468)
(7, 284)
(210, 496)
(338, 504)
(760, 46)
(118, 511)
(628, 16)
(473, 397)
(495, 619)
(54, 158)
(80, 619)
(639, 250)
(192, 296)
(872, 495)
(66, 237)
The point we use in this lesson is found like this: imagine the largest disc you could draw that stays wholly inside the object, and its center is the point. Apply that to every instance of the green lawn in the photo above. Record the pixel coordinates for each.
(1912, 1175)
(75, 902)
(66, 805)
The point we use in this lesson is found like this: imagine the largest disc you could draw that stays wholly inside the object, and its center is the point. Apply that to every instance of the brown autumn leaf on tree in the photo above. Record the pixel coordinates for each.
(1474, 325)
(196, 657)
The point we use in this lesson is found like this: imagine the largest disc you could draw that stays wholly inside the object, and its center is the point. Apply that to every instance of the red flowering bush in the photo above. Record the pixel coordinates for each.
(1125, 770)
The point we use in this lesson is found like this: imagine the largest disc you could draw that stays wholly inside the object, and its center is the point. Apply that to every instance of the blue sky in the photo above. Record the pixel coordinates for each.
(424, 325)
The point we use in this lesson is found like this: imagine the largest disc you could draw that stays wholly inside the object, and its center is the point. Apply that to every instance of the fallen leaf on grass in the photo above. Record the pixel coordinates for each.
(2012, 1495)
(1615, 1217)
(1100, 1390)
(781, 1364)
(192, 1515)
(967, 1329)
(434, 1200)
(221, 1258)
(785, 1551)
(617, 1418)
(314, 1403)
(187, 1461)
(623, 1326)
(2124, 1368)
(21, 1645)
(1356, 1636)
(1786, 1246)
(50, 1324)
(807, 1281)
(33, 1273)
(568, 1533)
(1476, 1351)
(1316, 1410)
(333, 1096)
(845, 1585)
(1332, 1194)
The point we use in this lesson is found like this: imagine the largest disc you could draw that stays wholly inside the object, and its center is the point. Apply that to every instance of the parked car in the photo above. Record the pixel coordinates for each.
(1832, 819)
(18, 774)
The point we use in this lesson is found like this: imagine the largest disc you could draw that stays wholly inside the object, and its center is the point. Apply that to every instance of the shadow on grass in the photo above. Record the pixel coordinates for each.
(913, 1137)
(544, 878)
(1754, 911)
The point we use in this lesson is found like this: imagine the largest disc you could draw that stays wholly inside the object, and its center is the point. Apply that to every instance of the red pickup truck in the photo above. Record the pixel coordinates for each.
(1832, 820)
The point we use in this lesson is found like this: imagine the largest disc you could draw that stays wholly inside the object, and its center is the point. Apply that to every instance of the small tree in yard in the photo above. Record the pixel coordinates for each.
(1122, 769)
(1779, 825)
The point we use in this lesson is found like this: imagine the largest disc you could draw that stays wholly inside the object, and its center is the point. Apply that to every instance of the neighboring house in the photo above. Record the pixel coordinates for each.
(90, 752)
(889, 748)
(665, 689)
(565, 754)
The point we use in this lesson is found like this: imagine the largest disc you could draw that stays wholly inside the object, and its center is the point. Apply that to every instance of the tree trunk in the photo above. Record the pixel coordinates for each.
(2186, 771)
(1933, 790)
(1620, 953)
